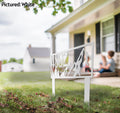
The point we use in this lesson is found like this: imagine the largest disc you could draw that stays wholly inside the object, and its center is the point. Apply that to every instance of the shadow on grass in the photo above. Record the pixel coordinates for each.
(30, 76)
(25, 76)
(100, 93)
(102, 98)
(97, 92)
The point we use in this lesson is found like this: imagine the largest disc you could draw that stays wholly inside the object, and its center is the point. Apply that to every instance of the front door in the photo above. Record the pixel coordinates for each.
(78, 40)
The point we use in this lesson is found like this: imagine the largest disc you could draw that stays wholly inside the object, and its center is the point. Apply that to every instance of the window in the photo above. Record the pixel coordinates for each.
(33, 60)
(83, 1)
(108, 39)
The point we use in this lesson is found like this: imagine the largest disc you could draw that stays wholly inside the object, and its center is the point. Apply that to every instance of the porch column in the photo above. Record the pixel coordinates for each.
(53, 43)
(53, 51)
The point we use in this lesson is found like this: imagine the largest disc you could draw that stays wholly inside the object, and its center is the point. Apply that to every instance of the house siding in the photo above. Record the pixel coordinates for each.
(97, 57)
(76, 4)
(86, 19)
(90, 28)
(41, 64)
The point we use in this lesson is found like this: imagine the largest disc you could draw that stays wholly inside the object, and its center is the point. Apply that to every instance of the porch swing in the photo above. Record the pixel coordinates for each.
(64, 66)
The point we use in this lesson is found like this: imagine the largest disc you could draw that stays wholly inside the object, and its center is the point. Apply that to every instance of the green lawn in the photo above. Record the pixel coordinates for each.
(31, 93)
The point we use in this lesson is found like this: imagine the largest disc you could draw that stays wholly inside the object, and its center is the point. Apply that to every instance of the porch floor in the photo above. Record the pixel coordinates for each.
(108, 81)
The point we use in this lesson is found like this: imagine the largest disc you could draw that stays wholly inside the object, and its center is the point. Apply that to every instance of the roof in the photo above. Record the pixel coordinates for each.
(76, 18)
(65, 19)
(39, 52)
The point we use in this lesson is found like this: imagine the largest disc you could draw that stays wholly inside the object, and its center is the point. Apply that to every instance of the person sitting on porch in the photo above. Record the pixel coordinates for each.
(109, 67)
(104, 61)
(85, 66)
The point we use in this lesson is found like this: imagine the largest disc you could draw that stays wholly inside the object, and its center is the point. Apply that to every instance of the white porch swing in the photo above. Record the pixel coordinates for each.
(64, 65)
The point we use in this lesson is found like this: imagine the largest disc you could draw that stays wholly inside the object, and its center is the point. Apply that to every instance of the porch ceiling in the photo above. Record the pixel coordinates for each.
(91, 12)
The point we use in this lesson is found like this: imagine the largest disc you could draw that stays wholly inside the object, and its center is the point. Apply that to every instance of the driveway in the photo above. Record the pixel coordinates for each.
(108, 81)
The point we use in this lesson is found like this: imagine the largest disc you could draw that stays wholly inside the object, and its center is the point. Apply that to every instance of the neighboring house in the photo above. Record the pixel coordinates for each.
(12, 67)
(36, 59)
(95, 21)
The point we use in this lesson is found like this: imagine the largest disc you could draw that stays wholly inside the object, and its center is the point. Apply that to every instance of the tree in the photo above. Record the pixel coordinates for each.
(20, 61)
(57, 5)
(12, 60)
(4, 62)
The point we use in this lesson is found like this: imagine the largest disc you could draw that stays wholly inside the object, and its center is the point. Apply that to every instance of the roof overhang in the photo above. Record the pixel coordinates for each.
(87, 13)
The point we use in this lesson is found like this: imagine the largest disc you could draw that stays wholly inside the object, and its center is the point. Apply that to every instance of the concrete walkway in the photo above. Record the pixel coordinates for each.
(108, 81)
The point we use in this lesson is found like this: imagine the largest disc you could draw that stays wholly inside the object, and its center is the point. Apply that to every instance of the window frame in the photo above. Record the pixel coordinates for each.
(102, 36)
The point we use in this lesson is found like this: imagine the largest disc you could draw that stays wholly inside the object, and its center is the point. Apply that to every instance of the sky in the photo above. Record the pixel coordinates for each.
(19, 28)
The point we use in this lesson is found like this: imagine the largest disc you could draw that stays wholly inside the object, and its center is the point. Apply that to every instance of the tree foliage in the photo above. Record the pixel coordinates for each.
(4, 62)
(57, 5)
(12, 60)
(20, 61)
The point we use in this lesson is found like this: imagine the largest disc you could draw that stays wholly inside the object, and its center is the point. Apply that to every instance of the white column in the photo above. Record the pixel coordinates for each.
(53, 43)
(53, 51)
(87, 90)
(53, 86)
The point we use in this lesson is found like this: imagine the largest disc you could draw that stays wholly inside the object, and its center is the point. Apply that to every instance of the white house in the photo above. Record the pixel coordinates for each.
(12, 67)
(95, 21)
(36, 59)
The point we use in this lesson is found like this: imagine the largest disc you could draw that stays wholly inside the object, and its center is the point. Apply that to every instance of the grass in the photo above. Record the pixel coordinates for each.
(31, 93)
